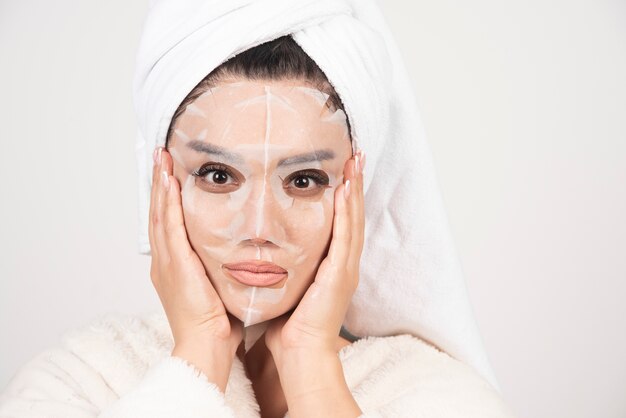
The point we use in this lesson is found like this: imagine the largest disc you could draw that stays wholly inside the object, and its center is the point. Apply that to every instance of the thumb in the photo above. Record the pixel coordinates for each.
(236, 330)
(273, 333)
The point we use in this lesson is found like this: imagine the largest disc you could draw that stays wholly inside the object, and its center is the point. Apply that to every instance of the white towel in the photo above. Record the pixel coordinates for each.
(411, 280)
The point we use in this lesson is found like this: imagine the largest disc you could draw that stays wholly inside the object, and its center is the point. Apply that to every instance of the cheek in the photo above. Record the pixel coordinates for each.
(307, 220)
(310, 226)
(209, 220)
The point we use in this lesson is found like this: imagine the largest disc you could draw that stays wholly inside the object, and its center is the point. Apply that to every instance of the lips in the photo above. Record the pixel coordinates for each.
(255, 273)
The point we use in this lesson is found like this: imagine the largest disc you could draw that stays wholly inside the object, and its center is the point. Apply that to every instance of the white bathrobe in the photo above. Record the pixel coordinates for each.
(120, 366)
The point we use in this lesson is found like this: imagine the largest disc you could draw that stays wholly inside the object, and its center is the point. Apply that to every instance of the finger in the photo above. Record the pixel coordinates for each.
(340, 242)
(355, 223)
(236, 327)
(356, 204)
(161, 182)
(174, 225)
(153, 192)
(360, 204)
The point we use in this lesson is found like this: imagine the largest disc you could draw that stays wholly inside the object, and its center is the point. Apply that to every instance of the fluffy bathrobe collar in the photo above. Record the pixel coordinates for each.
(120, 366)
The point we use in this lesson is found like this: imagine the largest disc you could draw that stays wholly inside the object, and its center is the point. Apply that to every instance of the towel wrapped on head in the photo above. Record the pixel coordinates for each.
(411, 279)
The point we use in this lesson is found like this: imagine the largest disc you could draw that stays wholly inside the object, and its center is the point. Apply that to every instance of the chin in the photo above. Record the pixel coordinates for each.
(257, 312)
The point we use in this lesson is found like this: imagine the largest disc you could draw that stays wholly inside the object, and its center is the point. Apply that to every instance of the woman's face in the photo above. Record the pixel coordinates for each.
(258, 163)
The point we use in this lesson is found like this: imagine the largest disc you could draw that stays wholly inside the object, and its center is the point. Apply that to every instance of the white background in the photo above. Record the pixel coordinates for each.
(524, 104)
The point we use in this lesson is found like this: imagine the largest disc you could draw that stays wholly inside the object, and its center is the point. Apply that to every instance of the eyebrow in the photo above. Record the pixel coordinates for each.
(208, 148)
(319, 155)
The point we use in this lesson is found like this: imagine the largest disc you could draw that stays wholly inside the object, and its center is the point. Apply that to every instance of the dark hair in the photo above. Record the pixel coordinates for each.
(279, 59)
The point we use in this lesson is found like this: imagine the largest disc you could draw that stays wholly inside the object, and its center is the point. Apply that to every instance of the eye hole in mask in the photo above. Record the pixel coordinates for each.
(217, 182)
(319, 177)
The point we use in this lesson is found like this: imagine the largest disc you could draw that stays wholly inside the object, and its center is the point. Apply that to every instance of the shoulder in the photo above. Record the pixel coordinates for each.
(141, 336)
(121, 346)
(405, 373)
(117, 365)
(111, 351)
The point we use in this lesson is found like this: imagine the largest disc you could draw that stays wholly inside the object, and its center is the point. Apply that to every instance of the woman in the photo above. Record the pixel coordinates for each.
(256, 229)
(261, 162)
(212, 205)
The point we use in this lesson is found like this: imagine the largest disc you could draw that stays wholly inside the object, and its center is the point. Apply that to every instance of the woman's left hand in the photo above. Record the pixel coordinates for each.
(316, 322)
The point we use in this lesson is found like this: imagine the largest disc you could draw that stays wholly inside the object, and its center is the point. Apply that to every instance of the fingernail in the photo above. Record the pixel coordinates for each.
(159, 157)
(346, 190)
(363, 160)
(356, 164)
(166, 180)
(155, 153)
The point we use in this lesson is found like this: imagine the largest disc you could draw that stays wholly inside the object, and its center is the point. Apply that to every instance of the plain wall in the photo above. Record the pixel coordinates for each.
(524, 104)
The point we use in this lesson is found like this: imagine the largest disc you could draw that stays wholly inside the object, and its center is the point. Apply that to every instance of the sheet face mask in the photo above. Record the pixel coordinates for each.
(258, 163)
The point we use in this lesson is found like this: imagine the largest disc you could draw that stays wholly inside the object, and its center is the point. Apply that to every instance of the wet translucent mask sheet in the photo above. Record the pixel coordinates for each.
(258, 163)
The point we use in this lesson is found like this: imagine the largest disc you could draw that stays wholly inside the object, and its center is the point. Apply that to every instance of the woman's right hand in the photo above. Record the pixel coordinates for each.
(205, 335)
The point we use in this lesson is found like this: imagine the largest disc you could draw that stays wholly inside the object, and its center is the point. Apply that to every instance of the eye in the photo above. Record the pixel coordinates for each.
(214, 177)
(306, 183)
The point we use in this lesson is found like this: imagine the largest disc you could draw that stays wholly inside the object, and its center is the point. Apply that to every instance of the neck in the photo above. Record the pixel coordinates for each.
(263, 374)
(258, 361)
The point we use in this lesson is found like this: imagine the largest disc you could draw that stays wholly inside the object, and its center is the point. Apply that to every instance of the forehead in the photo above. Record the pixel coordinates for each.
(286, 113)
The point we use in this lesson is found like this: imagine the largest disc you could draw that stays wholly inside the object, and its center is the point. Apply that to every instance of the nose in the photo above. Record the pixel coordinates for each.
(258, 241)
(262, 216)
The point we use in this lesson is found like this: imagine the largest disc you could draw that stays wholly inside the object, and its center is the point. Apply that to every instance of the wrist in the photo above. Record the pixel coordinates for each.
(213, 360)
(303, 371)
(314, 384)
